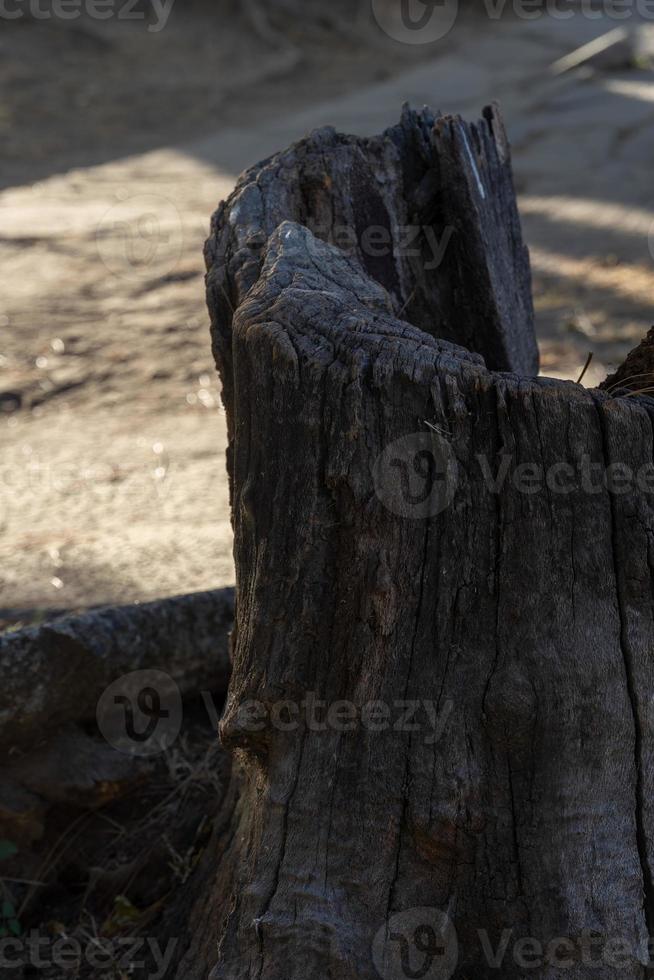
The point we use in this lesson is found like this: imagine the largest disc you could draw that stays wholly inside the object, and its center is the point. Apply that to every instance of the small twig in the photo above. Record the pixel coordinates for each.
(24, 881)
(112, 823)
(5, 891)
(229, 302)
(438, 428)
(54, 855)
(638, 391)
(623, 382)
(408, 300)
(585, 367)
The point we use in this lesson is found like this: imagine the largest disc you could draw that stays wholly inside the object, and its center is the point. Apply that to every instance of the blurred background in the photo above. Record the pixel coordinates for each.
(123, 124)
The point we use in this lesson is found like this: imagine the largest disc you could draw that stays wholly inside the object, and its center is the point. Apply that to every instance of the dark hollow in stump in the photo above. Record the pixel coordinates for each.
(416, 532)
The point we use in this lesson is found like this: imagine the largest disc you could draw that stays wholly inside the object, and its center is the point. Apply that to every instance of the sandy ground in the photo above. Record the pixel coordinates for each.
(112, 484)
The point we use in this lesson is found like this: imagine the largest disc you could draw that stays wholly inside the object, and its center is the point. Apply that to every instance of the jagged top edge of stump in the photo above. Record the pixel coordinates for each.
(401, 165)
(417, 122)
(310, 294)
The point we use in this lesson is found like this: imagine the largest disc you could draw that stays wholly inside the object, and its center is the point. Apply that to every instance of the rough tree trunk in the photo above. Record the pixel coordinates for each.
(413, 529)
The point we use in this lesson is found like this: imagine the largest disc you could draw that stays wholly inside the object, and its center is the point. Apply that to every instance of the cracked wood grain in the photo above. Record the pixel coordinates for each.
(528, 612)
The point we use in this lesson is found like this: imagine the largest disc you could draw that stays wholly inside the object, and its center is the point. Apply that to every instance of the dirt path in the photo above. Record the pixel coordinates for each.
(112, 483)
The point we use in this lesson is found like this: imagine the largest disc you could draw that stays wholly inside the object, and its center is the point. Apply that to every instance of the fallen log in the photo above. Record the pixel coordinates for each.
(55, 678)
(55, 673)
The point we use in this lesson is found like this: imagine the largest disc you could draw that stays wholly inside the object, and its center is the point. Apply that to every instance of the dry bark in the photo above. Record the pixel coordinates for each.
(427, 209)
(527, 612)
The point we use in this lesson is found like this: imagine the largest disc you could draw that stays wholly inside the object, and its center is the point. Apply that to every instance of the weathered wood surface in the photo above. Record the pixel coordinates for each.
(55, 673)
(637, 371)
(361, 577)
(427, 209)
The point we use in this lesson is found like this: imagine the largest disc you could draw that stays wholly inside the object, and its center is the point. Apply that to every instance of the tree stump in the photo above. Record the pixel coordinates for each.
(439, 708)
